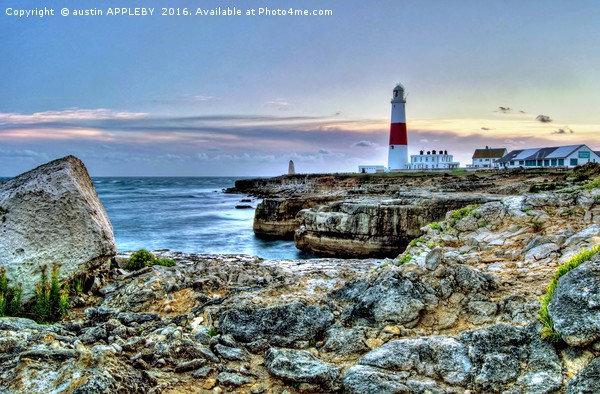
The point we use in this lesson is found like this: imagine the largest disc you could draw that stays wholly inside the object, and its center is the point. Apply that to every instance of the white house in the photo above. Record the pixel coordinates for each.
(433, 160)
(370, 169)
(486, 158)
(558, 156)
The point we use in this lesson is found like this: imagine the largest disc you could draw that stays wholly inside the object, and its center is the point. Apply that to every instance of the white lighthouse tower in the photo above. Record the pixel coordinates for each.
(398, 151)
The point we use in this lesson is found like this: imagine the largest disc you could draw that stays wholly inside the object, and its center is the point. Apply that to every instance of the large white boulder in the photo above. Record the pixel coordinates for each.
(52, 214)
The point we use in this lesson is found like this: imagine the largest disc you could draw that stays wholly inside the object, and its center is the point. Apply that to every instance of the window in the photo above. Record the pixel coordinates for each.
(573, 162)
(530, 163)
(554, 162)
(512, 163)
(521, 162)
(546, 163)
(561, 162)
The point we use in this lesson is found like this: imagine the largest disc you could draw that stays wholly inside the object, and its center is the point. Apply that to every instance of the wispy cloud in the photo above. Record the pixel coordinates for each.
(364, 144)
(67, 115)
(254, 144)
(186, 99)
(280, 104)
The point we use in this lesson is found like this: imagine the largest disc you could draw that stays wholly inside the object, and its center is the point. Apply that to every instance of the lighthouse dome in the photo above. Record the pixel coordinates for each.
(398, 96)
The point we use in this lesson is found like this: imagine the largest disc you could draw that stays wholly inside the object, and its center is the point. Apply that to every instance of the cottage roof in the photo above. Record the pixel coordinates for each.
(557, 152)
(493, 153)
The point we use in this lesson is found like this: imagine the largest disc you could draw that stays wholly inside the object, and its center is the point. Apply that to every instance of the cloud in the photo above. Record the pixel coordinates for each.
(543, 118)
(486, 129)
(280, 104)
(364, 144)
(503, 110)
(67, 115)
(424, 140)
(186, 99)
(324, 152)
(566, 130)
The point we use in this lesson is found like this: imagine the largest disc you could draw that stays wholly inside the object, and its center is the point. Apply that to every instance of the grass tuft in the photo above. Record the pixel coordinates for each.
(435, 226)
(462, 213)
(593, 184)
(548, 332)
(416, 241)
(405, 259)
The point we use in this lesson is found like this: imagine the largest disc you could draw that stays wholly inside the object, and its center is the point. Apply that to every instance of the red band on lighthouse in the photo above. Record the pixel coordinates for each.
(398, 134)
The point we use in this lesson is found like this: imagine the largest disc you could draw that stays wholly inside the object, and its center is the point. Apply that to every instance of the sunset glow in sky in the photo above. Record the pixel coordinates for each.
(242, 95)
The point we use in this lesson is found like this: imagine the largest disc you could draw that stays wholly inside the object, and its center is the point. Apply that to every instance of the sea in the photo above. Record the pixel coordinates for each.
(187, 214)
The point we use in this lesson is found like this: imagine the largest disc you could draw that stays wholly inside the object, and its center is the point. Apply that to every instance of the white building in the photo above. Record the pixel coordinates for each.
(370, 169)
(486, 158)
(558, 156)
(433, 160)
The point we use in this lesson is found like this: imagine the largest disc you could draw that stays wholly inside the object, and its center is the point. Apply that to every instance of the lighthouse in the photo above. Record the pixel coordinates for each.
(398, 150)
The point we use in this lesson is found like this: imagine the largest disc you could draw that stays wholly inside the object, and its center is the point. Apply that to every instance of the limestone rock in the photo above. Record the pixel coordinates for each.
(300, 366)
(345, 341)
(587, 381)
(494, 359)
(52, 214)
(391, 299)
(372, 227)
(442, 357)
(276, 217)
(280, 325)
(575, 304)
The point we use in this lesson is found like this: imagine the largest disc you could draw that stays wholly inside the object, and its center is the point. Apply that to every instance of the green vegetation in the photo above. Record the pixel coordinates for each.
(77, 286)
(593, 184)
(312, 342)
(51, 299)
(10, 297)
(405, 259)
(462, 213)
(416, 241)
(548, 332)
(212, 332)
(435, 226)
(142, 258)
(485, 223)
(537, 226)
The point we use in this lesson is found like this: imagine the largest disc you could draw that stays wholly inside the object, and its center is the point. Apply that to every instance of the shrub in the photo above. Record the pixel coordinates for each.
(548, 332)
(139, 260)
(164, 262)
(142, 258)
(435, 226)
(51, 299)
(10, 297)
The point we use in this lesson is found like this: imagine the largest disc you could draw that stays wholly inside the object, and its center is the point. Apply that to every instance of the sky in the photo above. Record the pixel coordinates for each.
(202, 95)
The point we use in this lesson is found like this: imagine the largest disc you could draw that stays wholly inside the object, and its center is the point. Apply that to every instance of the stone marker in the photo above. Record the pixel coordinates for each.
(52, 214)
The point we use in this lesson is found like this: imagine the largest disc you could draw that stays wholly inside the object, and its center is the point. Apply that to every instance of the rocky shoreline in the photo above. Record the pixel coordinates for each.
(456, 312)
(362, 216)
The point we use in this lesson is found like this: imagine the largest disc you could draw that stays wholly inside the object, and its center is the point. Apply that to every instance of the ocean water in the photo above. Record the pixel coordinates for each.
(191, 215)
